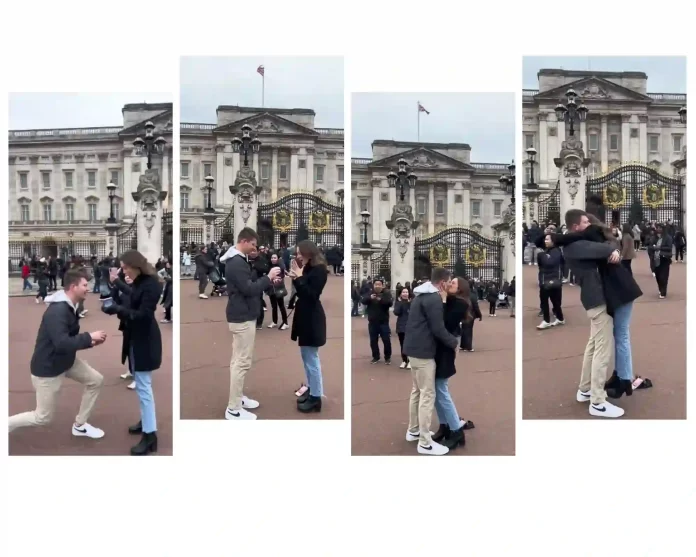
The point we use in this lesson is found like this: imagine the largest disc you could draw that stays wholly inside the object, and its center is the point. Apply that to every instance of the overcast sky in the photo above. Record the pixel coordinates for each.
(486, 121)
(314, 82)
(74, 110)
(666, 74)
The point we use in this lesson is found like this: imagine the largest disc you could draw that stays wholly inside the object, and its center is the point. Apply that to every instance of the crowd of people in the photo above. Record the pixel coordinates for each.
(129, 288)
(434, 319)
(598, 258)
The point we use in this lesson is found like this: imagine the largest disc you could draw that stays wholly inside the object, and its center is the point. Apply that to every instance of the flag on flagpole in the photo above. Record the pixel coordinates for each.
(261, 70)
(421, 108)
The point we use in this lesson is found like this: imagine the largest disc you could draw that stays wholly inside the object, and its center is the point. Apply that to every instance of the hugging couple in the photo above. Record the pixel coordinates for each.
(431, 341)
(607, 292)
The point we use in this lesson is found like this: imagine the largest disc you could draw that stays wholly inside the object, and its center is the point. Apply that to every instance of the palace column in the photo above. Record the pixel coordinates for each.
(605, 143)
(543, 147)
(466, 204)
(309, 174)
(412, 198)
(625, 138)
(255, 163)
(583, 136)
(431, 207)
(220, 185)
(274, 174)
(450, 203)
(375, 210)
(294, 169)
(643, 127)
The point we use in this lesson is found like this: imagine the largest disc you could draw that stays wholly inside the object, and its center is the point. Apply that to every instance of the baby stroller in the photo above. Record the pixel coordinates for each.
(219, 283)
(503, 301)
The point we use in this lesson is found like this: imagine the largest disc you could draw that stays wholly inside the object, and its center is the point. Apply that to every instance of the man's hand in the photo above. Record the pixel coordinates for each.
(615, 257)
(97, 337)
(373, 296)
(274, 273)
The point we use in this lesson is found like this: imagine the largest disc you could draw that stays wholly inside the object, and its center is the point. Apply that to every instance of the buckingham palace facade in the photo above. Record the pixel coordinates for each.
(295, 156)
(58, 197)
(450, 191)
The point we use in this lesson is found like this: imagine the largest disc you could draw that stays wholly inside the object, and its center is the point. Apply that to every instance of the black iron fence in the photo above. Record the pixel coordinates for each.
(167, 234)
(56, 248)
(550, 206)
(127, 239)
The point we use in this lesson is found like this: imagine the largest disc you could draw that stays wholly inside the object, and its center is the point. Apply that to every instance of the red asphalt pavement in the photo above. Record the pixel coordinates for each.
(276, 372)
(116, 408)
(552, 358)
(483, 390)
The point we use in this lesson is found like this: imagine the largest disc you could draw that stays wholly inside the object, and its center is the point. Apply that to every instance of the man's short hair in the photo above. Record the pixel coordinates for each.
(439, 274)
(378, 280)
(74, 276)
(573, 217)
(247, 235)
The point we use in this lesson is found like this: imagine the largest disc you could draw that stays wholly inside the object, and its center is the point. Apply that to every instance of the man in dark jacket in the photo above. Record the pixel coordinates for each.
(377, 304)
(203, 265)
(243, 307)
(582, 257)
(55, 357)
(426, 326)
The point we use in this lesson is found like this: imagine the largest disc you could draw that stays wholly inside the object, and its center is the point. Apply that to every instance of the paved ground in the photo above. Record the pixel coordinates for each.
(553, 357)
(277, 369)
(117, 407)
(483, 390)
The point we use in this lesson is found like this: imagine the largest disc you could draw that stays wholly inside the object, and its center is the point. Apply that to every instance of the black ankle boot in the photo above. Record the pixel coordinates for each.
(312, 404)
(613, 382)
(441, 433)
(147, 444)
(136, 429)
(303, 397)
(454, 439)
(623, 386)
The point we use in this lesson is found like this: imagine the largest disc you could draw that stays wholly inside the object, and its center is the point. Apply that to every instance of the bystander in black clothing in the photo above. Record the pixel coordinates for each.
(377, 304)
(679, 244)
(467, 340)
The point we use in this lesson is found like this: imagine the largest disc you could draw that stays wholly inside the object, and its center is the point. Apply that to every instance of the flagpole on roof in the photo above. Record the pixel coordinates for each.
(418, 111)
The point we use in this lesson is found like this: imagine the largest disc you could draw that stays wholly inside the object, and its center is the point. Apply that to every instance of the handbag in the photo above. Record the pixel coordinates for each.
(551, 284)
(280, 291)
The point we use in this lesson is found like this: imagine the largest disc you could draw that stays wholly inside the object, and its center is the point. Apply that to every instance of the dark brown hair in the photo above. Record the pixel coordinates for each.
(574, 216)
(606, 231)
(247, 234)
(464, 293)
(311, 253)
(439, 274)
(137, 260)
(74, 276)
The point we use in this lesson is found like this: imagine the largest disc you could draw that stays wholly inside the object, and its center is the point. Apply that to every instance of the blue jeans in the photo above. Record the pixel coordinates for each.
(444, 405)
(27, 285)
(143, 386)
(622, 341)
(312, 366)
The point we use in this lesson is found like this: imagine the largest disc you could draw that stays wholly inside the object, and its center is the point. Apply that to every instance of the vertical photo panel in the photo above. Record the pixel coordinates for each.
(433, 274)
(261, 231)
(90, 252)
(604, 237)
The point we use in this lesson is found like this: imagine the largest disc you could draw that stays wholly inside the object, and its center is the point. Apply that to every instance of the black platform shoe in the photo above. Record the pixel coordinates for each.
(613, 382)
(136, 429)
(441, 433)
(147, 444)
(303, 397)
(624, 386)
(312, 404)
(454, 439)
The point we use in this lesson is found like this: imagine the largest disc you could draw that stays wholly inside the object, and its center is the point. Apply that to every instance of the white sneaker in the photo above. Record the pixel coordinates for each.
(409, 366)
(82, 314)
(272, 325)
(249, 403)
(87, 430)
(165, 321)
(38, 301)
(240, 414)
(132, 385)
(203, 296)
(265, 309)
(662, 297)
(558, 322)
(403, 365)
(581, 396)
(606, 410)
(544, 325)
(435, 449)
(411, 437)
(283, 326)
(126, 375)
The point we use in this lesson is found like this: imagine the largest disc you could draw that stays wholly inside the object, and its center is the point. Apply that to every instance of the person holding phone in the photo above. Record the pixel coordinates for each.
(309, 273)
(55, 357)
(142, 340)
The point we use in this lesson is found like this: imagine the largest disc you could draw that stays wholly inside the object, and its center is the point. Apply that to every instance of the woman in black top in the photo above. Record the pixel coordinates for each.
(142, 342)
(402, 307)
(492, 297)
(467, 342)
(679, 245)
(458, 309)
(309, 274)
(277, 295)
(355, 298)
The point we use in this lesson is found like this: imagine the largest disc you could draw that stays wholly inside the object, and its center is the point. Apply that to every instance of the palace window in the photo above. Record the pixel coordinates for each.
(497, 208)
(528, 140)
(593, 142)
(475, 208)
(341, 174)
(47, 212)
(46, 180)
(92, 179)
(184, 201)
(92, 209)
(302, 164)
(69, 212)
(654, 143)
(319, 173)
(114, 177)
(440, 207)
(458, 198)
(68, 180)
(207, 169)
(23, 180)
(184, 170)
(420, 206)
(24, 212)
(614, 142)
(265, 171)
(677, 143)
(363, 204)
(283, 172)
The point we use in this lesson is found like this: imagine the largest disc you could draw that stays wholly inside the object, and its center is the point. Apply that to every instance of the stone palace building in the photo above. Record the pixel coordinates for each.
(625, 122)
(450, 191)
(58, 197)
(295, 156)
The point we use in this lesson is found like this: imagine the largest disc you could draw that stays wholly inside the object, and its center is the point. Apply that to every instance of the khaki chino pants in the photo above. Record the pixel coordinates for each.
(598, 354)
(243, 337)
(47, 389)
(422, 401)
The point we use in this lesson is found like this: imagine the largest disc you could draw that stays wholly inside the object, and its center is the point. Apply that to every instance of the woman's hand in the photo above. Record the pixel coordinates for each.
(113, 274)
(295, 269)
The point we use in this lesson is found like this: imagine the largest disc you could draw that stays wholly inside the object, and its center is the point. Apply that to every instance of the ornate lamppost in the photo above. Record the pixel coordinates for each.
(111, 225)
(150, 144)
(531, 161)
(365, 216)
(242, 145)
(507, 182)
(508, 222)
(570, 113)
(402, 179)
(245, 187)
(209, 211)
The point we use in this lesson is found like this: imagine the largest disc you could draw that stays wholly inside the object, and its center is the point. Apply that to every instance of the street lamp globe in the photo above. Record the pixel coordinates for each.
(139, 144)
(391, 179)
(111, 188)
(236, 144)
(582, 112)
(560, 112)
(160, 142)
(412, 179)
(531, 154)
(402, 166)
(511, 168)
(365, 215)
(256, 145)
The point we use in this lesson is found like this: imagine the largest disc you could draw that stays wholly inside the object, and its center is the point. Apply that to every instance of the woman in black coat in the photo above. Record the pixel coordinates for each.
(277, 295)
(467, 342)
(458, 309)
(142, 342)
(309, 273)
(402, 308)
